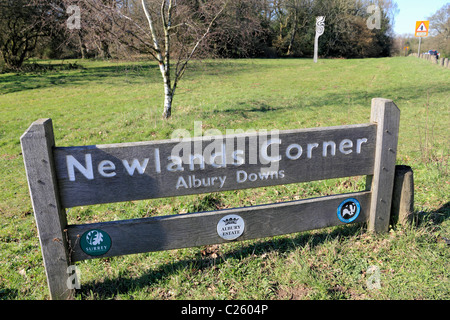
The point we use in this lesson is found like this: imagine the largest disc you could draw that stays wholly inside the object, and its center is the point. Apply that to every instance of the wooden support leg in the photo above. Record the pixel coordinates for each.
(37, 143)
(387, 117)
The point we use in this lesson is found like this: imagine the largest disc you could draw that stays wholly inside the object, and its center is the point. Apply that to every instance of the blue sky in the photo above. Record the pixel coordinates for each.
(414, 10)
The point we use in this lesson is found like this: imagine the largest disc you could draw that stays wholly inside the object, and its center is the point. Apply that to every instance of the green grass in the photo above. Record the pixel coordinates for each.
(111, 102)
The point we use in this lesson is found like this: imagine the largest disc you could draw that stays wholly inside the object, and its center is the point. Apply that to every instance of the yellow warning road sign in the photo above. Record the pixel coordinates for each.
(422, 28)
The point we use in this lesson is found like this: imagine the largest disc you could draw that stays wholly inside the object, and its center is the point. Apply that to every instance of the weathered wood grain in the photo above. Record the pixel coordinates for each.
(65, 177)
(402, 210)
(37, 143)
(105, 185)
(387, 117)
(197, 229)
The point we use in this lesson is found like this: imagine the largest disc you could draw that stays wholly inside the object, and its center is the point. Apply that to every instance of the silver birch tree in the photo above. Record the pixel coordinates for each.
(163, 55)
(155, 27)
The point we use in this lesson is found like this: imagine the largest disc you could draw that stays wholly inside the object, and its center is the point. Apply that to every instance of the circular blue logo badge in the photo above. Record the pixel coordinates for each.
(348, 210)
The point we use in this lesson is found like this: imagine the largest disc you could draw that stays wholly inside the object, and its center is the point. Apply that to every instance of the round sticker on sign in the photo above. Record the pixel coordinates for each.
(230, 227)
(95, 242)
(348, 210)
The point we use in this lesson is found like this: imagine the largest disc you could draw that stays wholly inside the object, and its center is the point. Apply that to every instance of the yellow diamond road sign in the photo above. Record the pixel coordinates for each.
(422, 28)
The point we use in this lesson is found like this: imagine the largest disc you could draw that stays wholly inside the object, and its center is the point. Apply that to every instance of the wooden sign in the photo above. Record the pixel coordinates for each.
(64, 177)
(144, 170)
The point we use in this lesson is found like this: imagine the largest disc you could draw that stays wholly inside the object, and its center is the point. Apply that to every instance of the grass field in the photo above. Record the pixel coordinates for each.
(110, 102)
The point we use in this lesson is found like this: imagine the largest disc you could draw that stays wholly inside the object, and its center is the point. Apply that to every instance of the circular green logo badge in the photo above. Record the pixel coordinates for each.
(95, 242)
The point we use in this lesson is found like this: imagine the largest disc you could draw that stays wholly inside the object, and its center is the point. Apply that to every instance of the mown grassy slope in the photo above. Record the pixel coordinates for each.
(109, 102)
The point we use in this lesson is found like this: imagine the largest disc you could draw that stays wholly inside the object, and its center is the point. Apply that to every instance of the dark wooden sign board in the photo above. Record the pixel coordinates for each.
(64, 177)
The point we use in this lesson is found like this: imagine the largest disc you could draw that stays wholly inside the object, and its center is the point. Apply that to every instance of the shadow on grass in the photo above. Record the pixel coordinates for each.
(8, 294)
(436, 217)
(16, 82)
(355, 97)
(47, 75)
(110, 288)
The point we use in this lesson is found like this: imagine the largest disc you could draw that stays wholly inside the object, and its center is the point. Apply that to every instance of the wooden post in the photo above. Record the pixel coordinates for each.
(387, 117)
(420, 43)
(37, 143)
(403, 195)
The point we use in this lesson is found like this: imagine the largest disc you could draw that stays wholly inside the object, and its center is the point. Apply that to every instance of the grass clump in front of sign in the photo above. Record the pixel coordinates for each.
(111, 102)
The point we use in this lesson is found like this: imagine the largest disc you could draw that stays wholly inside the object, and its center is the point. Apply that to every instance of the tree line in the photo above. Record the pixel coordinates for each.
(226, 28)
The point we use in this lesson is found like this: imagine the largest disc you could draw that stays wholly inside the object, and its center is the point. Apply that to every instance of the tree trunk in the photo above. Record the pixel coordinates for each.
(105, 50)
(168, 97)
(291, 41)
(14, 55)
(83, 49)
(293, 32)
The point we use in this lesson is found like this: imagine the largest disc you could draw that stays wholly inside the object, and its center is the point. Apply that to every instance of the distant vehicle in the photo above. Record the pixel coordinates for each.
(433, 53)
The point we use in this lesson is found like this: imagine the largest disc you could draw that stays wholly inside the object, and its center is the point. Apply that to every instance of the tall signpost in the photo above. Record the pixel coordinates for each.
(320, 28)
(406, 50)
(422, 28)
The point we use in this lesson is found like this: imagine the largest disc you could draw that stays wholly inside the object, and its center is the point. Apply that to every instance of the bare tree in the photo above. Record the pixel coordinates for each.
(440, 21)
(440, 30)
(22, 25)
(300, 13)
(239, 32)
(163, 55)
(170, 31)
